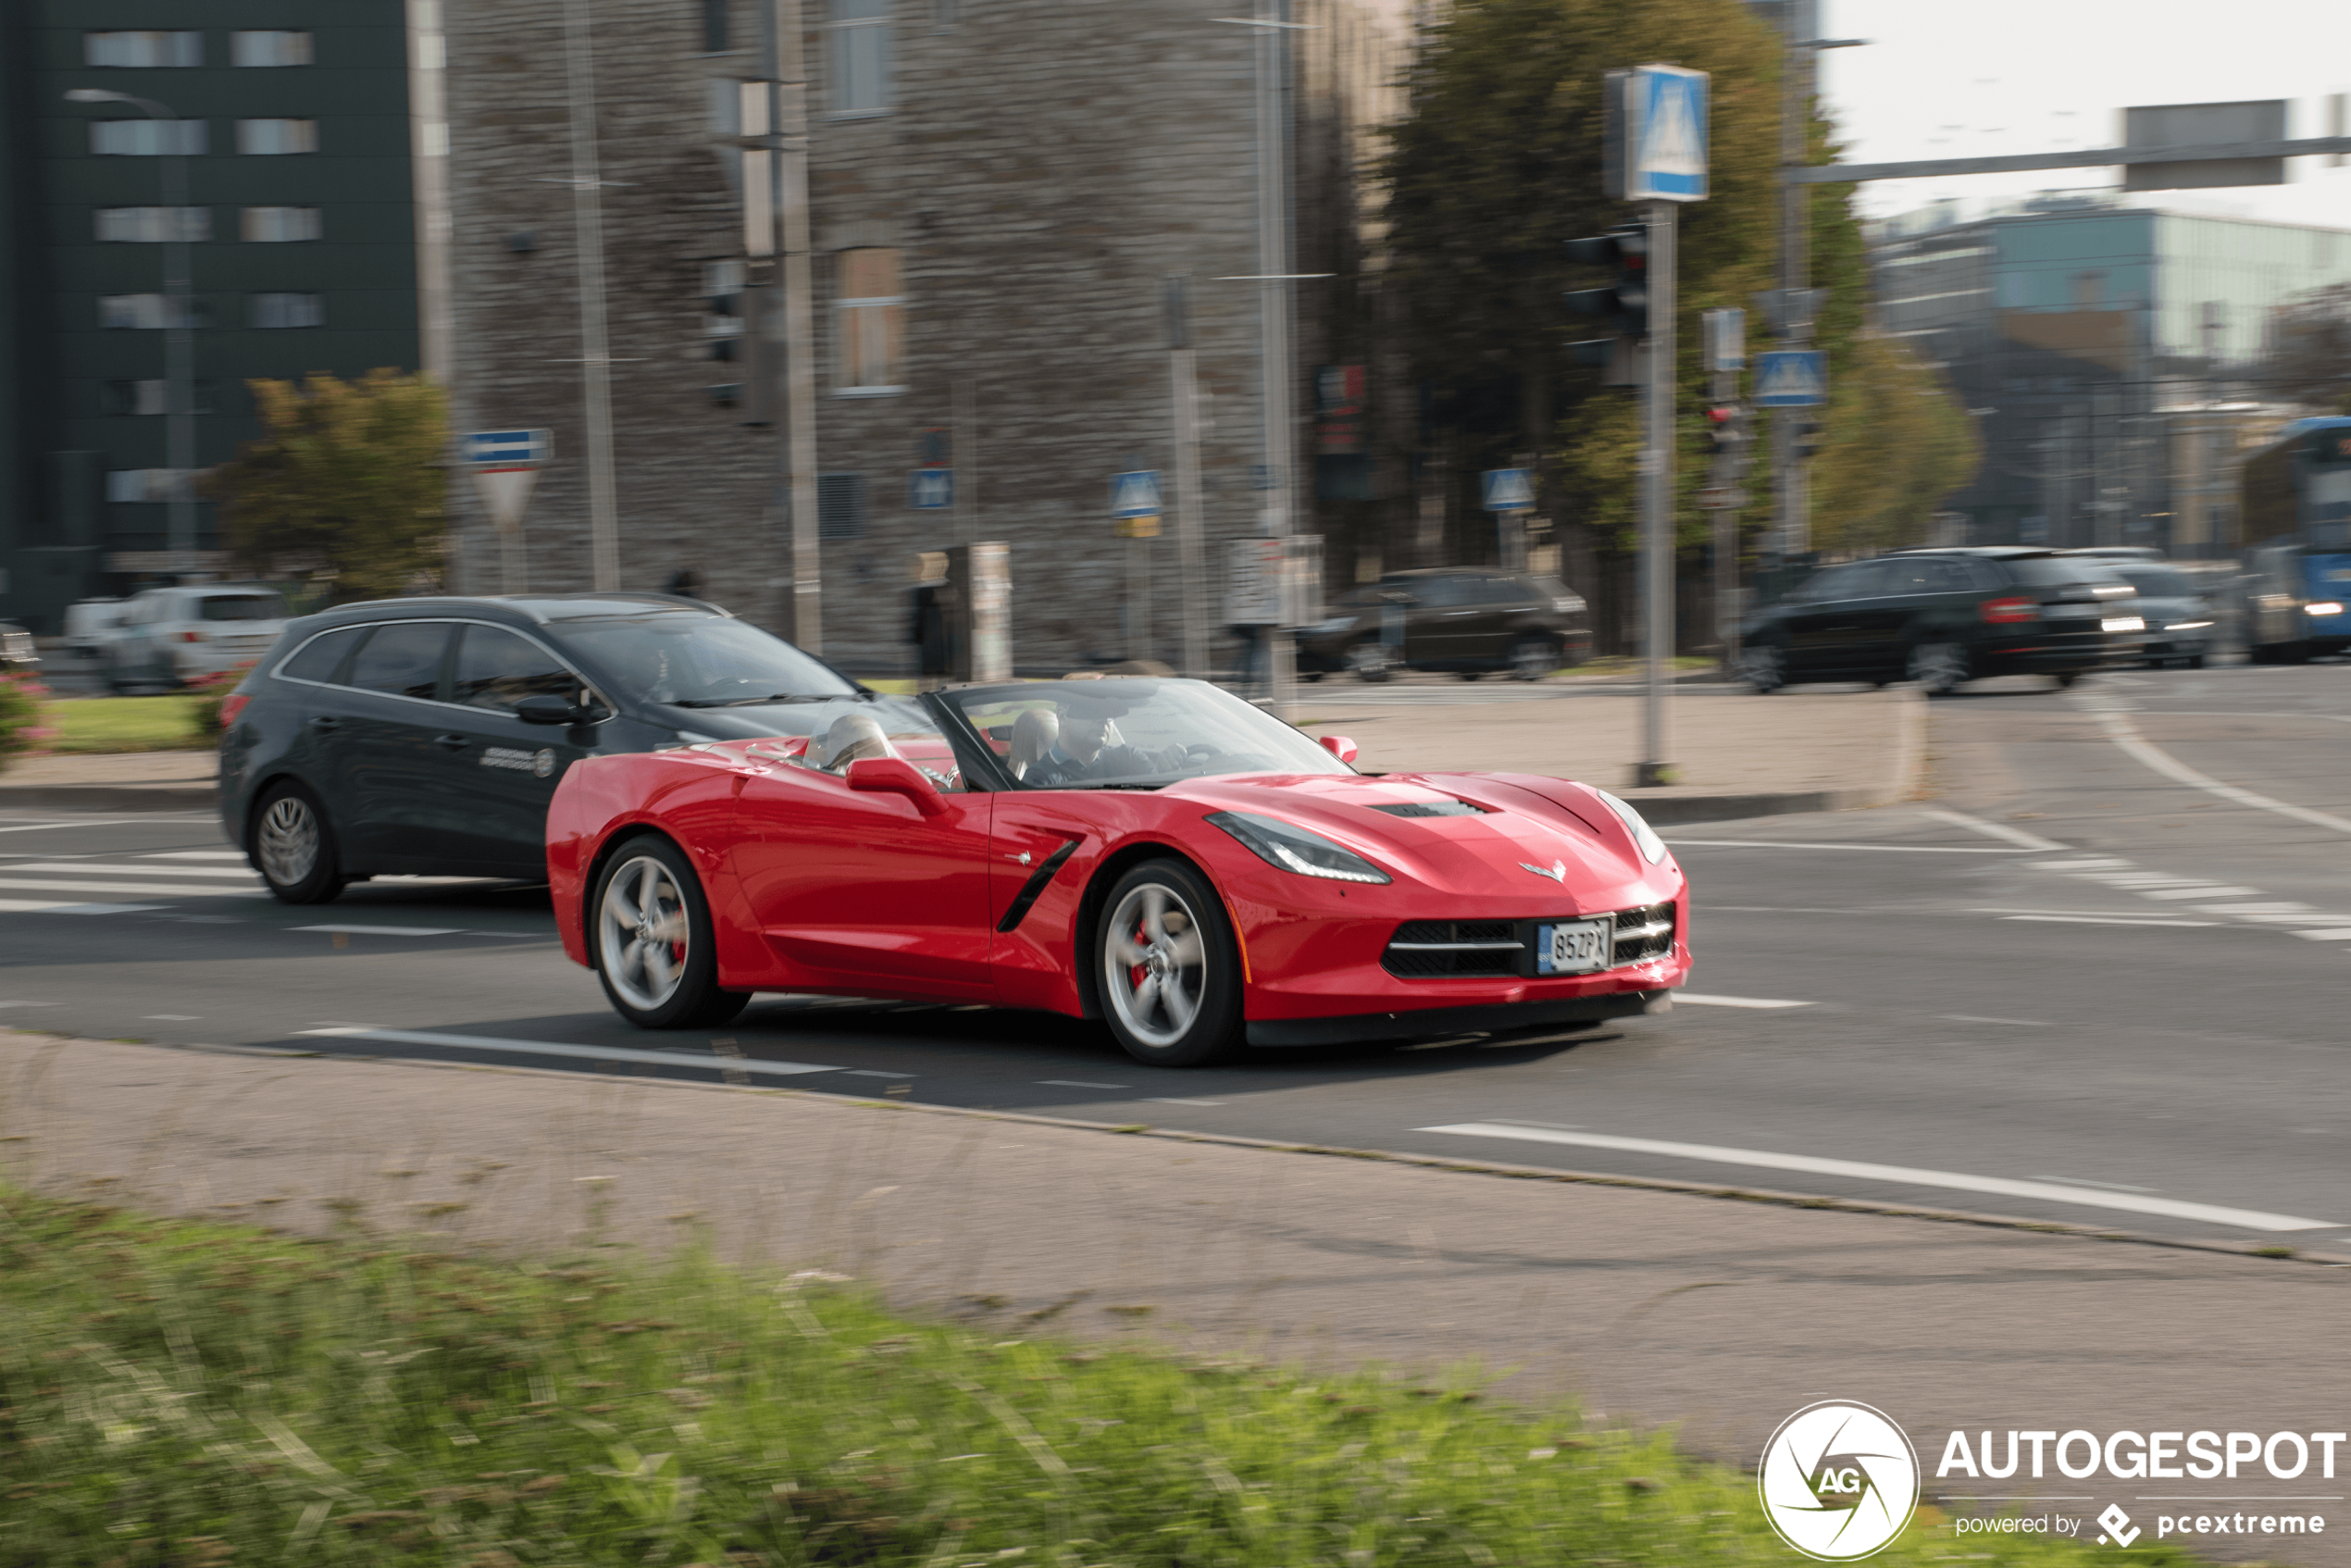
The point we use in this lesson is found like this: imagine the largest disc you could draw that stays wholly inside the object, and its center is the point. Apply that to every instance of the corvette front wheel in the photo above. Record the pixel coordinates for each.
(1171, 984)
(652, 942)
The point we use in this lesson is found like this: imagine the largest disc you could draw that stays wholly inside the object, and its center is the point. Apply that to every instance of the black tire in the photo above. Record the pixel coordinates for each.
(1763, 667)
(2065, 682)
(292, 844)
(1309, 676)
(2194, 661)
(1139, 970)
(1471, 674)
(650, 922)
(1534, 658)
(1940, 668)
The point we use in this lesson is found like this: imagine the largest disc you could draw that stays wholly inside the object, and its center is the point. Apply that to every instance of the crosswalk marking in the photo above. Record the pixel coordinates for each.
(91, 865)
(196, 854)
(58, 906)
(57, 885)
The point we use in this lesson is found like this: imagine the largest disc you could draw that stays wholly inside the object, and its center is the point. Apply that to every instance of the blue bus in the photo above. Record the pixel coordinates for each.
(2297, 500)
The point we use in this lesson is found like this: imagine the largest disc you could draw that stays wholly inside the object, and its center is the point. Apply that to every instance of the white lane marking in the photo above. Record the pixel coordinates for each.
(1734, 1000)
(2125, 735)
(2248, 1219)
(2016, 835)
(1163, 1100)
(2104, 920)
(1783, 844)
(580, 1053)
(1073, 1083)
(859, 1072)
(387, 931)
(238, 855)
(2260, 918)
(2099, 863)
(2325, 936)
(31, 1004)
(37, 826)
(46, 885)
(2084, 914)
(91, 867)
(173, 1017)
(58, 906)
(1977, 1018)
(2109, 1186)
(2204, 891)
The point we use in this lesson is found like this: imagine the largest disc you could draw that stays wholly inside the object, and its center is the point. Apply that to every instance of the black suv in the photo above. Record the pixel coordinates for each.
(426, 736)
(1469, 619)
(1943, 617)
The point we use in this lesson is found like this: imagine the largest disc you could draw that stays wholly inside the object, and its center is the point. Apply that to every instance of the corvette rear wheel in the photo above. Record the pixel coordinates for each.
(1171, 986)
(652, 941)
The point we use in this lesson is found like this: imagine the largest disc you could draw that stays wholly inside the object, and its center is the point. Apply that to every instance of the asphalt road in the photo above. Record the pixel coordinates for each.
(2098, 979)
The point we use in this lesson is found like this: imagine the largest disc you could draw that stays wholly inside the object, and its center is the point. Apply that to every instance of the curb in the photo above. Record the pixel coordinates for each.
(109, 797)
(1905, 770)
(1774, 1197)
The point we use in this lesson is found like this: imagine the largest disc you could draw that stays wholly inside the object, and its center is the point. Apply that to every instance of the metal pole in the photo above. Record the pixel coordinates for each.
(964, 443)
(799, 328)
(1657, 500)
(1183, 397)
(595, 352)
(1727, 539)
(1792, 503)
(179, 347)
(1274, 317)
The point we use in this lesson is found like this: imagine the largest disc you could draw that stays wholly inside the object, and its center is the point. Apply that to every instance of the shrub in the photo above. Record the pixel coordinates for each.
(209, 690)
(23, 732)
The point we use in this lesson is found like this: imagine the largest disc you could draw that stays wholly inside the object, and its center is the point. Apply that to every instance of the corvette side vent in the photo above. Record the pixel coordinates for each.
(1431, 949)
(1644, 934)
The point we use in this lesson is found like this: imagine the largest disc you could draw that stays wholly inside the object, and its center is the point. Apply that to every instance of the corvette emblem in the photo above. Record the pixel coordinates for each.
(1556, 871)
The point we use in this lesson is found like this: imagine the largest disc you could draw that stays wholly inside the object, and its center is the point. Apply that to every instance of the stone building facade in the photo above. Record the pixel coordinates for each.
(1000, 191)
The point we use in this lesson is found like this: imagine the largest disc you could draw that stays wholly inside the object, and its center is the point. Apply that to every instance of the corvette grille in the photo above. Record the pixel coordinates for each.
(1424, 949)
(1644, 933)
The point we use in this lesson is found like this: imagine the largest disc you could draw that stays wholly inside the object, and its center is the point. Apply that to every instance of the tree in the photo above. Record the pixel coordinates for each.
(1498, 161)
(2309, 351)
(347, 480)
(1898, 442)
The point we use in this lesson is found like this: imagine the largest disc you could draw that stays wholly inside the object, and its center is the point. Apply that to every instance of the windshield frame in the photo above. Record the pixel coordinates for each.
(979, 759)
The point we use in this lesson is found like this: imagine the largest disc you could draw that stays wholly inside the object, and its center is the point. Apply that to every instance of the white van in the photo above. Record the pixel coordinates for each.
(168, 636)
(90, 624)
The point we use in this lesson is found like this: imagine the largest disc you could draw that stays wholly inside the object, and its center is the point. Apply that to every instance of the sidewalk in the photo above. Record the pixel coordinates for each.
(1717, 1315)
(1740, 756)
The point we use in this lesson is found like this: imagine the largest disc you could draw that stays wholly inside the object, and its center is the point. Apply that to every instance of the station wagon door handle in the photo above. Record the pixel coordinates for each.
(450, 742)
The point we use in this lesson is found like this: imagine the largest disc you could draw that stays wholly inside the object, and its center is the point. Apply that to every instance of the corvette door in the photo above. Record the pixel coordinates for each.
(866, 888)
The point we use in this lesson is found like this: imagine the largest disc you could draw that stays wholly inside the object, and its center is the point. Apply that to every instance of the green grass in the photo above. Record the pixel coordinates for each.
(127, 724)
(190, 1394)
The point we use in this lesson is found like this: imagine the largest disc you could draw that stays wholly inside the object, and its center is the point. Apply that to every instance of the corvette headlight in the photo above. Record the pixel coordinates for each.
(1653, 847)
(1294, 849)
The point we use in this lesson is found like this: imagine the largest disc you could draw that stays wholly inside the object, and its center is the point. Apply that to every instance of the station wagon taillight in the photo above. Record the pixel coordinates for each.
(2007, 612)
(230, 706)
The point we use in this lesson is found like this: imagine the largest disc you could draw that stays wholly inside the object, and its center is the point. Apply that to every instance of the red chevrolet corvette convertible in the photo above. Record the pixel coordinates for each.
(1155, 854)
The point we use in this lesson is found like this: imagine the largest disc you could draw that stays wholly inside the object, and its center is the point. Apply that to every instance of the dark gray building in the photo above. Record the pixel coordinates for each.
(294, 116)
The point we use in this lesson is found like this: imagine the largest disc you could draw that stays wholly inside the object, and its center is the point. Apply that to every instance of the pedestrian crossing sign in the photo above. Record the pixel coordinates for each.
(1510, 490)
(1134, 494)
(1791, 379)
(1669, 135)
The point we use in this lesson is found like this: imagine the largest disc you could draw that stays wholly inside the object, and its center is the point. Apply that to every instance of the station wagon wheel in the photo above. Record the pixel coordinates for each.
(1763, 667)
(293, 846)
(1370, 660)
(1534, 658)
(1941, 667)
(1170, 983)
(650, 939)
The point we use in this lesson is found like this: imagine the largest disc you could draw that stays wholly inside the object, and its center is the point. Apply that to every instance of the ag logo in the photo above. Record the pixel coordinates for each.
(543, 764)
(1838, 1481)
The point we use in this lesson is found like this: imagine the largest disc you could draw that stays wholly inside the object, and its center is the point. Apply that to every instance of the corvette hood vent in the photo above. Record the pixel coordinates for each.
(1432, 808)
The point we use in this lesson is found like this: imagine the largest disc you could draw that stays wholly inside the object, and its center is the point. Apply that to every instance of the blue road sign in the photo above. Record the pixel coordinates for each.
(929, 488)
(1668, 160)
(1134, 494)
(510, 449)
(1510, 490)
(1791, 379)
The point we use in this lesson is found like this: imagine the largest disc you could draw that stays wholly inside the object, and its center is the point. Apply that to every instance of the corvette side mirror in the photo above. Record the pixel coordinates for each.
(895, 775)
(1339, 746)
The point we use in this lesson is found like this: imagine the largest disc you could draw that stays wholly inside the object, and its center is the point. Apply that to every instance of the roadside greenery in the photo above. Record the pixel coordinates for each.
(24, 727)
(175, 722)
(175, 1392)
(347, 484)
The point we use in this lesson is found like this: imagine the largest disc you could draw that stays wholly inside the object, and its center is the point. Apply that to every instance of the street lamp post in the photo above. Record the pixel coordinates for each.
(178, 342)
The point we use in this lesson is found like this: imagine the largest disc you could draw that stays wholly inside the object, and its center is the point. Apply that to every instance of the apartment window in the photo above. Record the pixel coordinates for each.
(152, 225)
(278, 226)
(142, 49)
(841, 506)
(870, 320)
(147, 138)
(142, 311)
(143, 484)
(859, 57)
(714, 27)
(269, 48)
(267, 137)
(151, 398)
(286, 310)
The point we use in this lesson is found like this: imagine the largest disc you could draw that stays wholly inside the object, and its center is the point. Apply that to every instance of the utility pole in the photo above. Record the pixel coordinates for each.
(1791, 496)
(1183, 394)
(800, 325)
(1656, 499)
(595, 350)
(1274, 298)
(1728, 425)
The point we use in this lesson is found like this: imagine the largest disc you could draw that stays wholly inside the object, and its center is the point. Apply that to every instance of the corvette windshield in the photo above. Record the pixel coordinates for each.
(699, 661)
(1136, 733)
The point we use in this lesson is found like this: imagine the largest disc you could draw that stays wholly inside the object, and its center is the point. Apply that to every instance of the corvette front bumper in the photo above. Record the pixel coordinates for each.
(1492, 1018)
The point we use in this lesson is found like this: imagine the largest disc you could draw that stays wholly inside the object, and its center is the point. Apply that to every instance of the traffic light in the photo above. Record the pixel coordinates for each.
(1625, 307)
(1807, 440)
(1727, 431)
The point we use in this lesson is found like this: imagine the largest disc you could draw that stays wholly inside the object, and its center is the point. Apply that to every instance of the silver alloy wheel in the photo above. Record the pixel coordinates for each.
(1939, 666)
(288, 842)
(643, 933)
(1154, 965)
(1532, 659)
(1763, 667)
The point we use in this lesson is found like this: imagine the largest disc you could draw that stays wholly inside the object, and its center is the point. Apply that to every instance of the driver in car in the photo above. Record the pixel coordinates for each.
(1082, 754)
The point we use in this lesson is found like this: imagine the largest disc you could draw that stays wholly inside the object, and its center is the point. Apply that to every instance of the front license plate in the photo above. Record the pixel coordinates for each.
(1574, 947)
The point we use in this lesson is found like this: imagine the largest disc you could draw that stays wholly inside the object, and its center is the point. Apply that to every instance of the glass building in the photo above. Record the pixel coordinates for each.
(2089, 336)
